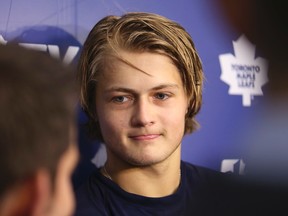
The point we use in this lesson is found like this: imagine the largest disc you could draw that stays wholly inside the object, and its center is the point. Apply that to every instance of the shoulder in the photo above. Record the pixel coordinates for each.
(211, 181)
(203, 173)
(89, 199)
(220, 191)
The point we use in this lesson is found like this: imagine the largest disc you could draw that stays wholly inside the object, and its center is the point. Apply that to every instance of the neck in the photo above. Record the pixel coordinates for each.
(157, 180)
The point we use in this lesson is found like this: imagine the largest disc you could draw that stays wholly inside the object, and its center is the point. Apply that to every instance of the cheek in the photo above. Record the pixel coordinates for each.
(174, 121)
(63, 202)
(175, 115)
(63, 199)
(111, 123)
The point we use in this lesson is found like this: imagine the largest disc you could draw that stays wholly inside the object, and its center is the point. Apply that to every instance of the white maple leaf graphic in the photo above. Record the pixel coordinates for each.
(244, 73)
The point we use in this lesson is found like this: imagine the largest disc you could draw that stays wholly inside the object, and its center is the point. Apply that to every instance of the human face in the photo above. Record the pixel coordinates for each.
(63, 201)
(141, 115)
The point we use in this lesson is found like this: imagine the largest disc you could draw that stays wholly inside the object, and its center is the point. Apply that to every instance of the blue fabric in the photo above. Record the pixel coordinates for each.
(201, 192)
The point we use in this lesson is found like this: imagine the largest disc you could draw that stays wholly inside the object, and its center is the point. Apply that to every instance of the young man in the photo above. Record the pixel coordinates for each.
(38, 97)
(141, 86)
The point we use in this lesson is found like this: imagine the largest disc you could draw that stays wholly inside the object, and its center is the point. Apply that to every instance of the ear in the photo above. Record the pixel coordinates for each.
(28, 197)
(42, 193)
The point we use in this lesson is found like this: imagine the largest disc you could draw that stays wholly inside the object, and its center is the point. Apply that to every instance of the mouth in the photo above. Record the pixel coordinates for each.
(145, 137)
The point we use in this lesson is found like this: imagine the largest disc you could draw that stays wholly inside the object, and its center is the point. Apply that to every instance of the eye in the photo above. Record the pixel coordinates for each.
(120, 99)
(161, 96)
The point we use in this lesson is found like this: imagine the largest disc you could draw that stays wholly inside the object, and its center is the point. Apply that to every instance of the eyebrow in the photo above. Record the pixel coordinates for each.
(164, 86)
(133, 91)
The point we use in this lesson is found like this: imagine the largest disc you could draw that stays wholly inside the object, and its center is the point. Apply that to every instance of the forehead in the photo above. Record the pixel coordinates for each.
(139, 66)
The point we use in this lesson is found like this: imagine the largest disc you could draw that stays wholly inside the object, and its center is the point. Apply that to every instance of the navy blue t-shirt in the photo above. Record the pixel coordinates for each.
(202, 191)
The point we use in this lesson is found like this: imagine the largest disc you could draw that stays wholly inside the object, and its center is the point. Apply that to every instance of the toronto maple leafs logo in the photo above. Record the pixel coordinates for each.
(243, 72)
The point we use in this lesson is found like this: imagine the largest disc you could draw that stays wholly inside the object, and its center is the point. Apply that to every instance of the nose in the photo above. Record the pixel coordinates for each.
(143, 113)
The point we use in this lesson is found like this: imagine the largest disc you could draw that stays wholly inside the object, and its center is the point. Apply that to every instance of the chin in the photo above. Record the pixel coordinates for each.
(146, 161)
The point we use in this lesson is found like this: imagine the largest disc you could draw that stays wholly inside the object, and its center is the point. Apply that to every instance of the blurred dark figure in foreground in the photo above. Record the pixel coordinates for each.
(265, 23)
(38, 151)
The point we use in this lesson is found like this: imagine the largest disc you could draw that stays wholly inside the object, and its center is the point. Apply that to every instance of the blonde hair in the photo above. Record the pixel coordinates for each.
(139, 32)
